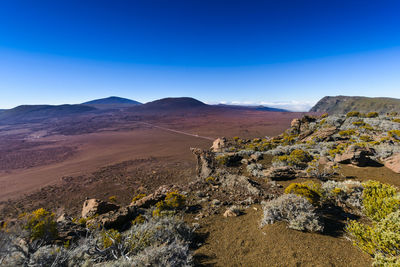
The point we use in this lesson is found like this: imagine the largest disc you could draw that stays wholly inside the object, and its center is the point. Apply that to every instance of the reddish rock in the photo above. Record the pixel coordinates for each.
(357, 155)
(393, 163)
(94, 206)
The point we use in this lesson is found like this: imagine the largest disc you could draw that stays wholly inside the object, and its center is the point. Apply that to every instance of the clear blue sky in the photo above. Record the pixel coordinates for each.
(271, 52)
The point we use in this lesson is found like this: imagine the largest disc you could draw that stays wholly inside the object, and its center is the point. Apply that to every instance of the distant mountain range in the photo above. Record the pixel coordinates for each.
(40, 113)
(345, 104)
(32, 113)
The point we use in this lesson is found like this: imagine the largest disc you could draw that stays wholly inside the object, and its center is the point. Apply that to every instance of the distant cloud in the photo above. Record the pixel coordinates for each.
(289, 105)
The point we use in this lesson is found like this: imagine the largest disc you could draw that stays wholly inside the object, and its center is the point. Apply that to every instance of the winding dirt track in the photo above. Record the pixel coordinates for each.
(179, 132)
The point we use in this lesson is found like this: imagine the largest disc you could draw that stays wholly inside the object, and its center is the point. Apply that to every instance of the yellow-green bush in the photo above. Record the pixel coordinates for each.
(347, 132)
(381, 239)
(324, 115)
(353, 114)
(358, 123)
(297, 157)
(139, 219)
(396, 120)
(110, 237)
(366, 138)
(379, 200)
(372, 115)
(309, 190)
(112, 198)
(172, 201)
(40, 224)
(137, 197)
(210, 179)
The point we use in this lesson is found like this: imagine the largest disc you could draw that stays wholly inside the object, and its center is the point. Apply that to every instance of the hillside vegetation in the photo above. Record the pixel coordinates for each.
(345, 104)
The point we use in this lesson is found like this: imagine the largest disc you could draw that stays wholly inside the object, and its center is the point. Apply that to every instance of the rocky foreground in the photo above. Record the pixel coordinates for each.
(296, 177)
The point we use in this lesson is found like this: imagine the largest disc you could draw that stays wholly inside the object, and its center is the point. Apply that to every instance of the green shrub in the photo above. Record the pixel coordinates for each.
(347, 132)
(366, 138)
(324, 115)
(110, 237)
(381, 239)
(40, 224)
(372, 115)
(139, 219)
(396, 120)
(172, 201)
(298, 158)
(395, 134)
(309, 190)
(353, 114)
(358, 123)
(379, 200)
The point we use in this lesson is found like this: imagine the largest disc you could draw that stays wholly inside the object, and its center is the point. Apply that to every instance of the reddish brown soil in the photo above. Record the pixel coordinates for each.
(239, 241)
(81, 148)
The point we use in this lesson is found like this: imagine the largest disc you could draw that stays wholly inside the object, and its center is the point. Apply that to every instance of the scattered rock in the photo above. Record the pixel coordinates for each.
(216, 202)
(357, 155)
(153, 198)
(393, 163)
(94, 206)
(324, 134)
(229, 213)
(118, 219)
(281, 173)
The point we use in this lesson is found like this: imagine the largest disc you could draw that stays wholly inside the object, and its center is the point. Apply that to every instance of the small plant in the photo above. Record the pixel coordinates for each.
(210, 179)
(395, 134)
(139, 219)
(40, 224)
(353, 114)
(309, 190)
(347, 133)
(137, 197)
(298, 158)
(358, 123)
(396, 120)
(110, 237)
(372, 115)
(324, 115)
(112, 199)
(365, 138)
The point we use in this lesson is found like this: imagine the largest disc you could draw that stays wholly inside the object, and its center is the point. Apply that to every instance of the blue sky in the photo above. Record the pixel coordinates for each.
(278, 53)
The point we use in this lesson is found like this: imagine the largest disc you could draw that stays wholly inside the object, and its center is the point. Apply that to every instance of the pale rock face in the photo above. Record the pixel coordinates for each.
(393, 163)
(218, 144)
(229, 213)
(94, 206)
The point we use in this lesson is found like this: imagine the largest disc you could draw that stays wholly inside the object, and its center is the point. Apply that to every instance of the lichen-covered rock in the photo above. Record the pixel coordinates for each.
(93, 206)
(153, 198)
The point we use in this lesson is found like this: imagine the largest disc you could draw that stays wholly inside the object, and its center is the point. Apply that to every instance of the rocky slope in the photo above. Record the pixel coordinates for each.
(345, 104)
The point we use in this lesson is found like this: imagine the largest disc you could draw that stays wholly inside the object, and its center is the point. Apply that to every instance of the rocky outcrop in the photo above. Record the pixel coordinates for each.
(117, 219)
(153, 198)
(239, 184)
(324, 134)
(218, 145)
(358, 156)
(281, 173)
(92, 207)
(205, 162)
(393, 163)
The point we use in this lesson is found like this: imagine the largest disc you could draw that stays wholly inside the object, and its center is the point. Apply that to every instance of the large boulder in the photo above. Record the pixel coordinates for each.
(393, 163)
(117, 219)
(92, 207)
(324, 134)
(281, 173)
(205, 162)
(357, 155)
(218, 145)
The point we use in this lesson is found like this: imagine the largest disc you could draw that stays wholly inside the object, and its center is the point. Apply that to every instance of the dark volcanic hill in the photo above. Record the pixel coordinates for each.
(33, 113)
(261, 108)
(344, 104)
(171, 104)
(112, 100)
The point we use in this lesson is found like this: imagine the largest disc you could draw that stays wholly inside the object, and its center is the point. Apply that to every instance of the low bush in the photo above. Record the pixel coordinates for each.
(381, 239)
(347, 133)
(395, 134)
(353, 114)
(347, 193)
(372, 115)
(137, 197)
(295, 210)
(309, 190)
(297, 158)
(379, 200)
(40, 224)
(172, 202)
